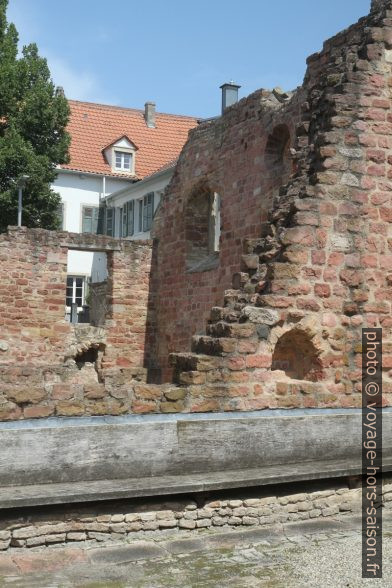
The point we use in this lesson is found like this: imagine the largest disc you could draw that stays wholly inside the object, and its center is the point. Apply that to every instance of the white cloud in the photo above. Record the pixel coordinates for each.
(77, 84)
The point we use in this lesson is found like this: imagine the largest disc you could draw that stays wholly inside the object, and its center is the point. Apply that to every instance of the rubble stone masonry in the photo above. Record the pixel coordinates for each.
(138, 519)
(50, 367)
(272, 250)
(305, 183)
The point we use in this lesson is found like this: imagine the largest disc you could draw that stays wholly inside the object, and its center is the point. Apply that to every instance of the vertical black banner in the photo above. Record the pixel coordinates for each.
(372, 453)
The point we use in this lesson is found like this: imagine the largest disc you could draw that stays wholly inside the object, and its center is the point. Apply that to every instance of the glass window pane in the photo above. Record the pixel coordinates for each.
(69, 281)
(90, 219)
(79, 282)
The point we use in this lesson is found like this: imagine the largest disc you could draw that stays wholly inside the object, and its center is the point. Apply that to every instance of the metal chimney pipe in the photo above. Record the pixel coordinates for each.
(229, 94)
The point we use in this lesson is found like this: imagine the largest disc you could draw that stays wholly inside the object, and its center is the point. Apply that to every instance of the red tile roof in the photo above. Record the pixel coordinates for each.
(95, 126)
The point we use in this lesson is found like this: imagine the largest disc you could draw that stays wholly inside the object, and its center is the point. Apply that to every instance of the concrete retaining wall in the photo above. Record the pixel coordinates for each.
(73, 460)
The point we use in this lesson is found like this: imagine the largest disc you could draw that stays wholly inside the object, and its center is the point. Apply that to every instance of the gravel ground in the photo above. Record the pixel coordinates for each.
(299, 555)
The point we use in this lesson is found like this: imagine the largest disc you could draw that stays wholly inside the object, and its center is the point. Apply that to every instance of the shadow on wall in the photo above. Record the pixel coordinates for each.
(296, 355)
(202, 228)
(154, 372)
(278, 157)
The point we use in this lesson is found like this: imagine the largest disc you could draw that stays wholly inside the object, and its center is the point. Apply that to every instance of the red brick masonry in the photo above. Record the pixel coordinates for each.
(305, 261)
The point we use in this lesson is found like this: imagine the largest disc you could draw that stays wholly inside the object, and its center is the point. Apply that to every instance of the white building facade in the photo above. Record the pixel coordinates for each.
(82, 196)
(121, 160)
(129, 213)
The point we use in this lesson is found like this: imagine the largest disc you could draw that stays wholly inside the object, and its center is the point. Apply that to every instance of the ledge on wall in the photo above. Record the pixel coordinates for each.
(43, 462)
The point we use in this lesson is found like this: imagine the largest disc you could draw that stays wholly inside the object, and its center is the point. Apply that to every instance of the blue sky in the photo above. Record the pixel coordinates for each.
(175, 52)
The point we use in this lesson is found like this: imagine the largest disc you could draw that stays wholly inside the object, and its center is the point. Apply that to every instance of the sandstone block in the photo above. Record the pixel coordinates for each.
(76, 536)
(235, 521)
(134, 527)
(26, 395)
(70, 409)
(150, 526)
(175, 394)
(94, 391)
(172, 407)
(205, 513)
(250, 521)
(97, 536)
(58, 538)
(261, 316)
(167, 524)
(187, 524)
(330, 511)
(35, 541)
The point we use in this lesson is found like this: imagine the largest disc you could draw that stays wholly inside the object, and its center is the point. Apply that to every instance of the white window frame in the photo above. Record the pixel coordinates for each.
(122, 152)
(84, 291)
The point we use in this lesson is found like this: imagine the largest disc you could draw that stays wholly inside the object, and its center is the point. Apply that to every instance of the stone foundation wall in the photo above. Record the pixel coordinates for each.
(118, 521)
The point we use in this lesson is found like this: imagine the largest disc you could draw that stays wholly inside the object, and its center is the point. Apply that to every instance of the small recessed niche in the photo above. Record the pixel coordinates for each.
(296, 355)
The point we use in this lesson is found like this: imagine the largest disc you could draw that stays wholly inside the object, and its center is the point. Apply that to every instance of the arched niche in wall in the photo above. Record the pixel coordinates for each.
(278, 160)
(202, 229)
(297, 356)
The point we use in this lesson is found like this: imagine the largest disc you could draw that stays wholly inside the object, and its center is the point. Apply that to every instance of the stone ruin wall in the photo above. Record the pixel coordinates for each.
(50, 367)
(305, 262)
(312, 259)
(225, 156)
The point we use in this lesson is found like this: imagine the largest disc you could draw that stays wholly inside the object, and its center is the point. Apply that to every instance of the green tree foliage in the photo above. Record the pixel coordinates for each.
(33, 139)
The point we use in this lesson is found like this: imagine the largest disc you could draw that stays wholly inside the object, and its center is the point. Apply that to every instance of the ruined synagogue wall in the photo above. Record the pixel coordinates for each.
(319, 267)
(225, 156)
(42, 371)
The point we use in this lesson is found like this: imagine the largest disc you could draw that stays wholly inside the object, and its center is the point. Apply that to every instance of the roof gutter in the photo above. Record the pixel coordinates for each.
(95, 175)
(152, 177)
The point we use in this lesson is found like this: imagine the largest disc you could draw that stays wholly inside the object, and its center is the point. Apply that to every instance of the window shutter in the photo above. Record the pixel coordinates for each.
(109, 221)
(148, 211)
(124, 221)
(60, 214)
(130, 219)
(140, 227)
(100, 216)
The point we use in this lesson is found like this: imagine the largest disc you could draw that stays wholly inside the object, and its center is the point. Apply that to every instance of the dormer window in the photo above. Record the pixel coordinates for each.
(123, 161)
(120, 155)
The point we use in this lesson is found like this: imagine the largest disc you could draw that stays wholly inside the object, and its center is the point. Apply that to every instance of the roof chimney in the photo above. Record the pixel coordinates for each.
(229, 94)
(149, 114)
(60, 91)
